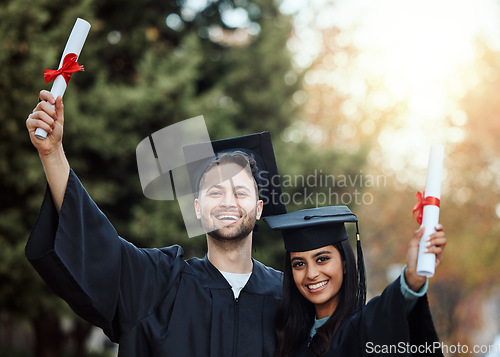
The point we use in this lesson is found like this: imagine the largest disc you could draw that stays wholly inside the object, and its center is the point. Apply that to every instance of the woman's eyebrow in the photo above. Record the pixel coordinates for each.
(322, 252)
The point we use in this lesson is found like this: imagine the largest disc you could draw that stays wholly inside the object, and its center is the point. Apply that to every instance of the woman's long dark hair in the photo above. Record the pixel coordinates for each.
(295, 314)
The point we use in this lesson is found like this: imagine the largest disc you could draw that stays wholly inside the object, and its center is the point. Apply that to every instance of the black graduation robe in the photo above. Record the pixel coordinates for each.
(383, 328)
(150, 301)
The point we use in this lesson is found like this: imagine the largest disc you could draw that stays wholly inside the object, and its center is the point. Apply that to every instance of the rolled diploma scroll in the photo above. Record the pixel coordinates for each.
(74, 45)
(427, 261)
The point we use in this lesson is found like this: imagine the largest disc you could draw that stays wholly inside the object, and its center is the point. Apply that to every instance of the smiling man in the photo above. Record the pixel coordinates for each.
(228, 211)
(153, 302)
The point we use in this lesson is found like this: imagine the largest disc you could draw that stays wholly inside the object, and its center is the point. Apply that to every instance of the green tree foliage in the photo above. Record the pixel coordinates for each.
(29, 33)
(140, 76)
(148, 65)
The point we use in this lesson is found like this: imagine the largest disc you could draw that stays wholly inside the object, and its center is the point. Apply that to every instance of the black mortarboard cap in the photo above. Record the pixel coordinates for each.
(258, 146)
(313, 228)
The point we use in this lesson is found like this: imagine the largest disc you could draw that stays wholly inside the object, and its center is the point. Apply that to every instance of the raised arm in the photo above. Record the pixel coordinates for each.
(49, 115)
(437, 243)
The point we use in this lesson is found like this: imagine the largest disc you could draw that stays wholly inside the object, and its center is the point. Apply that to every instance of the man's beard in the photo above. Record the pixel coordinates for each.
(245, 227)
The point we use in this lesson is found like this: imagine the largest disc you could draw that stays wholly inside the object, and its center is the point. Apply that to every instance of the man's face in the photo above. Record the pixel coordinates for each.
(228, 204)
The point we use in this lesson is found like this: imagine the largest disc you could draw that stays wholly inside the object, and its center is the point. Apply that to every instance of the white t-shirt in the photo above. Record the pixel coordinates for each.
(237, 281)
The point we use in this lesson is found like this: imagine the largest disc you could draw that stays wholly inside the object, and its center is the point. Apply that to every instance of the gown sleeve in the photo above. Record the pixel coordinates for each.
(383, 320)
(102, 277)
(383, 328)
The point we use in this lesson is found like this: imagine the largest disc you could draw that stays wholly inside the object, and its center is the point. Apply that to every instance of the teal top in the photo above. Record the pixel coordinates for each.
(410, 298)
(317, 324)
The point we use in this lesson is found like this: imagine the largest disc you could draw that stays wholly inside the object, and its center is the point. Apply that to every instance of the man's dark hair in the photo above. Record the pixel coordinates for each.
(240, 158)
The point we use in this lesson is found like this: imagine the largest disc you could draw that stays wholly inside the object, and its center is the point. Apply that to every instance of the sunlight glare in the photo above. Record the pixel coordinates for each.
(414, 60)
(424, 51)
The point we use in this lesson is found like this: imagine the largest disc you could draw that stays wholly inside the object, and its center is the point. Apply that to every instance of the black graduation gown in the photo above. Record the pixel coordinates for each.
(382, 328)
(150, 301)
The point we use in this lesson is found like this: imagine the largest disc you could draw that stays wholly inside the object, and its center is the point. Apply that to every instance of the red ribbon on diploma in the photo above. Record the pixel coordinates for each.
(68, 67)
(419, 206)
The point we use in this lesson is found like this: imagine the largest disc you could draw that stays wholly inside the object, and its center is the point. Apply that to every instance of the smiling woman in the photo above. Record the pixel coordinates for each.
(323, 311)
(318, 274)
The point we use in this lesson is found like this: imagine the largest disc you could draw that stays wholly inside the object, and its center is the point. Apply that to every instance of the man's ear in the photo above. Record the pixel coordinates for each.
(197, 208)
(259, 209)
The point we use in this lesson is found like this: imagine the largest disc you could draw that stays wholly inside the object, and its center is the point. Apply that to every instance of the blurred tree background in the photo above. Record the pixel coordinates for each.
(388, 80)
(147, 65)
(341, 136)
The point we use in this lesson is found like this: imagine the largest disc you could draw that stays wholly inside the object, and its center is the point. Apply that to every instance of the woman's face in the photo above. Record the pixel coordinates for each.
(318, 275)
